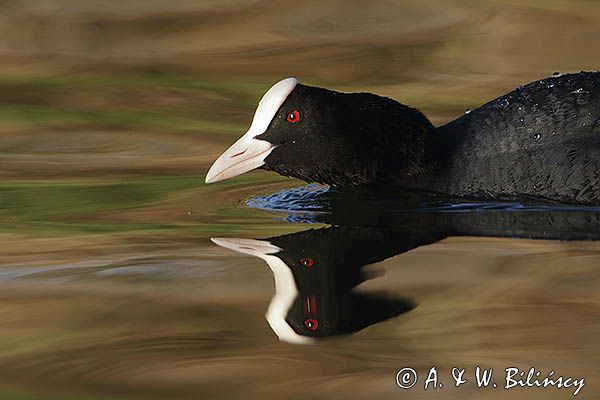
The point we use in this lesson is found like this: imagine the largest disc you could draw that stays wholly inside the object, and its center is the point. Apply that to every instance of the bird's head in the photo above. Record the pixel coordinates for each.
(319, 135)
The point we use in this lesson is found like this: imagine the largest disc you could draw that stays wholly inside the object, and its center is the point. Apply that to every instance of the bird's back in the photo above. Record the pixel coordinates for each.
(542, 140)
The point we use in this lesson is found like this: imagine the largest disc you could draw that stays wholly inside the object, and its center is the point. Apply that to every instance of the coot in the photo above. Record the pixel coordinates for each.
(540, 141)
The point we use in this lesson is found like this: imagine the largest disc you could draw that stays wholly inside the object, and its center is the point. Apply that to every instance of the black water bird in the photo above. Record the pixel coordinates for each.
(540, 142)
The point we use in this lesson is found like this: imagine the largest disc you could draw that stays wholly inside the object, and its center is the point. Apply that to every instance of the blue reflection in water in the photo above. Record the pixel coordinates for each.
(308, 204)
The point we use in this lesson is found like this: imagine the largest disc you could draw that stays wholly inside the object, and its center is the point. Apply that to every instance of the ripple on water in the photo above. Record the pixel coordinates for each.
(301, 204)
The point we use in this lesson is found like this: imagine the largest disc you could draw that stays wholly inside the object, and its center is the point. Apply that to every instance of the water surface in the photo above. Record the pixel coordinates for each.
(111, 287)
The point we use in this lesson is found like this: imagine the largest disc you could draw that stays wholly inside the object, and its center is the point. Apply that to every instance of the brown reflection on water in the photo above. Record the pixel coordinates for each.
(111, 114)
(190, 323)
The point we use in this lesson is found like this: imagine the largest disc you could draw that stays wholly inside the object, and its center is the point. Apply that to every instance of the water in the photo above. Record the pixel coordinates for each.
(164, 311)
(123, 276)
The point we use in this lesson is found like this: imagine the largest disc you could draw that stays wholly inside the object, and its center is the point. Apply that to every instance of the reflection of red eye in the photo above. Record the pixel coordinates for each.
(307, 262)
(293, 117)
(311, 324)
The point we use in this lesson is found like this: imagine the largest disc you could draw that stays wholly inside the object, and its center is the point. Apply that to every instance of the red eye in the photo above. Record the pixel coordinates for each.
(311, 324)
(293, 117)
(306, 262)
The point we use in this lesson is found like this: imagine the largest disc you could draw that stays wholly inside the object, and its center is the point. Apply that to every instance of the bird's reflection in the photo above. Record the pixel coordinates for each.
(316, 271)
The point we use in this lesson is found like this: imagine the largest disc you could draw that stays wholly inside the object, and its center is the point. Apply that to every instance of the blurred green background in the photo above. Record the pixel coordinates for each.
(107, 106)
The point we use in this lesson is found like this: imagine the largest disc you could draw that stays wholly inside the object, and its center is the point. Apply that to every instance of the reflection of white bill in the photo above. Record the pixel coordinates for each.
(285, 286)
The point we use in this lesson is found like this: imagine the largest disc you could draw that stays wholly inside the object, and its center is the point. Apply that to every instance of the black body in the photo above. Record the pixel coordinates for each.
(540, 142)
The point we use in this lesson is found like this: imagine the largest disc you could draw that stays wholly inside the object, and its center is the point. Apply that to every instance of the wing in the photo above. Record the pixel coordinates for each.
(541, 140)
